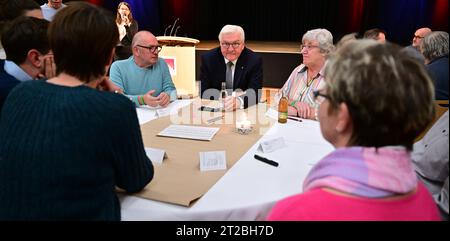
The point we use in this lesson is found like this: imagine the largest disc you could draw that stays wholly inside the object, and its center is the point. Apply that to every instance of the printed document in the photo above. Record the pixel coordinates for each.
(189, 132)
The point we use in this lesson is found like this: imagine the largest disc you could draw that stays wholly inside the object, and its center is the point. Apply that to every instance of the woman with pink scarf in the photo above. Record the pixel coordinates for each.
(375, 102)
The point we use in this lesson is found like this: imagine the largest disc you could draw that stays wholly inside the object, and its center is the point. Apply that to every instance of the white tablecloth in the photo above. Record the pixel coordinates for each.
(250, 188)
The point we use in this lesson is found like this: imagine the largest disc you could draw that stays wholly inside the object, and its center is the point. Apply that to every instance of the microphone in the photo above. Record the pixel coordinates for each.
(176, 30)
(175, 23)
(165, 31)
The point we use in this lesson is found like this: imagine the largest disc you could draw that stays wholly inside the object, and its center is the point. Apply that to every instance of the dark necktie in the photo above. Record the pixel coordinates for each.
(229, 76)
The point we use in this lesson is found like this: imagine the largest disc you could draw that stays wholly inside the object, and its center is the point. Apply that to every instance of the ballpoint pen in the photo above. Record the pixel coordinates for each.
(294, 119)
(210, 121)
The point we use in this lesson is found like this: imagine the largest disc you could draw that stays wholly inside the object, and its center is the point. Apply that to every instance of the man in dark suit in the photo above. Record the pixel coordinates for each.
(239, 67)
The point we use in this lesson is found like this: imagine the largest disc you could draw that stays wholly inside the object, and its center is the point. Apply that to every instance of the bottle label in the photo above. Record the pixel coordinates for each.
(282, 115)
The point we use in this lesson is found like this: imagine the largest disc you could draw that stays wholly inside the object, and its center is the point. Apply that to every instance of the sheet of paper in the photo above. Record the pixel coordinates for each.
(272, 145)
(156, 155)
(164, 112)
(145, 115)
(213, 161)
(272, 113)
(189, 132)
(171, 109)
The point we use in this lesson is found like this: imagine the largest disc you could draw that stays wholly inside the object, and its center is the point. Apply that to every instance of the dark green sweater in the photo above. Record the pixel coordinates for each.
(64, 149)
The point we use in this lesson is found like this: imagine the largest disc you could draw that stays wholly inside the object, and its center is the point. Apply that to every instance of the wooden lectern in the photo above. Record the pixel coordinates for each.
(179, 54)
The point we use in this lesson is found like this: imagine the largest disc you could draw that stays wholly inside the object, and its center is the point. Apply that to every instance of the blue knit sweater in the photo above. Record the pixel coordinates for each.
(7, 83)
(63, 150)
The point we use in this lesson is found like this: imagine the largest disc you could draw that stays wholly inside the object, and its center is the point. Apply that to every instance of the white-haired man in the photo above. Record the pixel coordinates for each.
(236, 65)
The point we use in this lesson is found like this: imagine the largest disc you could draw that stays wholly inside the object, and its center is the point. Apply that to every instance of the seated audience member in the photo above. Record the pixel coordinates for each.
(66, 145)
(370, 175)
(9, 10)
(236, 65)
(346, 39)
(128, 27)
(28, 54)
(430, 157)
(309, 76)
(144, 77)
(376, 34)
(413, 50)
(50, 8)
(434, 48)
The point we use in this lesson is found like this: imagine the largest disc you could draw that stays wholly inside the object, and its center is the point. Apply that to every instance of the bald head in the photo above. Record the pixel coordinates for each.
(144, 38)
(145, 49)
(419, 35)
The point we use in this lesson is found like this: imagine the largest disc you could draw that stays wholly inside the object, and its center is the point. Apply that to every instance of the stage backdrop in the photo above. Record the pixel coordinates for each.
(288, 20)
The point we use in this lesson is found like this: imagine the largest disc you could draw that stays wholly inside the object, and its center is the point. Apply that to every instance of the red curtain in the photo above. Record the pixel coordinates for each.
(440, 17)
(96, 2)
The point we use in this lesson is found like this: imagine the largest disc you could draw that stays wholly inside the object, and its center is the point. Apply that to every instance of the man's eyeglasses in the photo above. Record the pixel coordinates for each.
(308, 47)
(152, 48)
(316, 95)
(419, 37)
(227, 45)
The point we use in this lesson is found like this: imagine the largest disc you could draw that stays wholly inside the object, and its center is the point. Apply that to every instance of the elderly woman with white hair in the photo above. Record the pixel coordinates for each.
(376, 100)
(308, 77)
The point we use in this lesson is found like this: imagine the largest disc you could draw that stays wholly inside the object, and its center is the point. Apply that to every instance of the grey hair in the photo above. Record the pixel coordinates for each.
(388, 94)
(435, 45)
(323, 36)
(346, 39)
(227, 29)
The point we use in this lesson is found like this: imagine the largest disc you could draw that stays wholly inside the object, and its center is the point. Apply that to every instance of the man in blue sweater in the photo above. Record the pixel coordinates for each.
(28, 54)
(50, 8)
(144, 77)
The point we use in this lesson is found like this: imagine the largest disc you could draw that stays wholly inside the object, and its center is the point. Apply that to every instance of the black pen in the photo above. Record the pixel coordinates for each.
(294, 119)
(263, 159)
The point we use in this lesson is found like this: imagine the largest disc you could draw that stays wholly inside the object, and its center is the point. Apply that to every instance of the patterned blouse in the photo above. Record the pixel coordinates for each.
(298, 88)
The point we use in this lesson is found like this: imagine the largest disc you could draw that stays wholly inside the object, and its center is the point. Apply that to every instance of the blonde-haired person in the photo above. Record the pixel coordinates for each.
(127, 27)
(316, 45)
(375, 102)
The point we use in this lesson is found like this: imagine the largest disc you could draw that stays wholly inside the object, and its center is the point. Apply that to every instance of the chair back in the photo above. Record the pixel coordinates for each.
(440, 107)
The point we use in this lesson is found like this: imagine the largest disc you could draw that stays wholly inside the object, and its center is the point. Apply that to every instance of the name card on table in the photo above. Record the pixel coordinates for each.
(213, 161)
(272, 145)
(156, 155)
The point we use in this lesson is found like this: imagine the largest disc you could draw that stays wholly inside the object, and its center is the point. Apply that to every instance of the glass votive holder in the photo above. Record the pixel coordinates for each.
(244, 127)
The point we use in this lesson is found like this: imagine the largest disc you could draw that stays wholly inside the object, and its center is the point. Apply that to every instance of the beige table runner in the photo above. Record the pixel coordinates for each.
(179, 179)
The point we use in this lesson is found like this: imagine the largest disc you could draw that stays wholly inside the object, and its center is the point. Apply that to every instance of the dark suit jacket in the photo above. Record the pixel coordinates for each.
(248, 74)
(438, 69)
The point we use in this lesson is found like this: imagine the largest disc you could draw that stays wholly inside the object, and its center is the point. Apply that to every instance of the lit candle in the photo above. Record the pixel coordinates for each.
(245, 124)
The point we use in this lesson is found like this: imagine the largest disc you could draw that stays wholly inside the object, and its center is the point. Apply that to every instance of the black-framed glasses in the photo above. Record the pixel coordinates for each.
(235, 45)
(419, 37)
(317, 93)
(152, 48)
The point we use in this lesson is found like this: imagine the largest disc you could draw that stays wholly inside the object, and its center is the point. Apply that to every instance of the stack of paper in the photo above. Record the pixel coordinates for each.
(189, 132)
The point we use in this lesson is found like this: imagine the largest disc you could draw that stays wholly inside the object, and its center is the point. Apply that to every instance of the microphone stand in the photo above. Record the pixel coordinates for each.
(165, 31)
(175, 23)
(176, 30)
